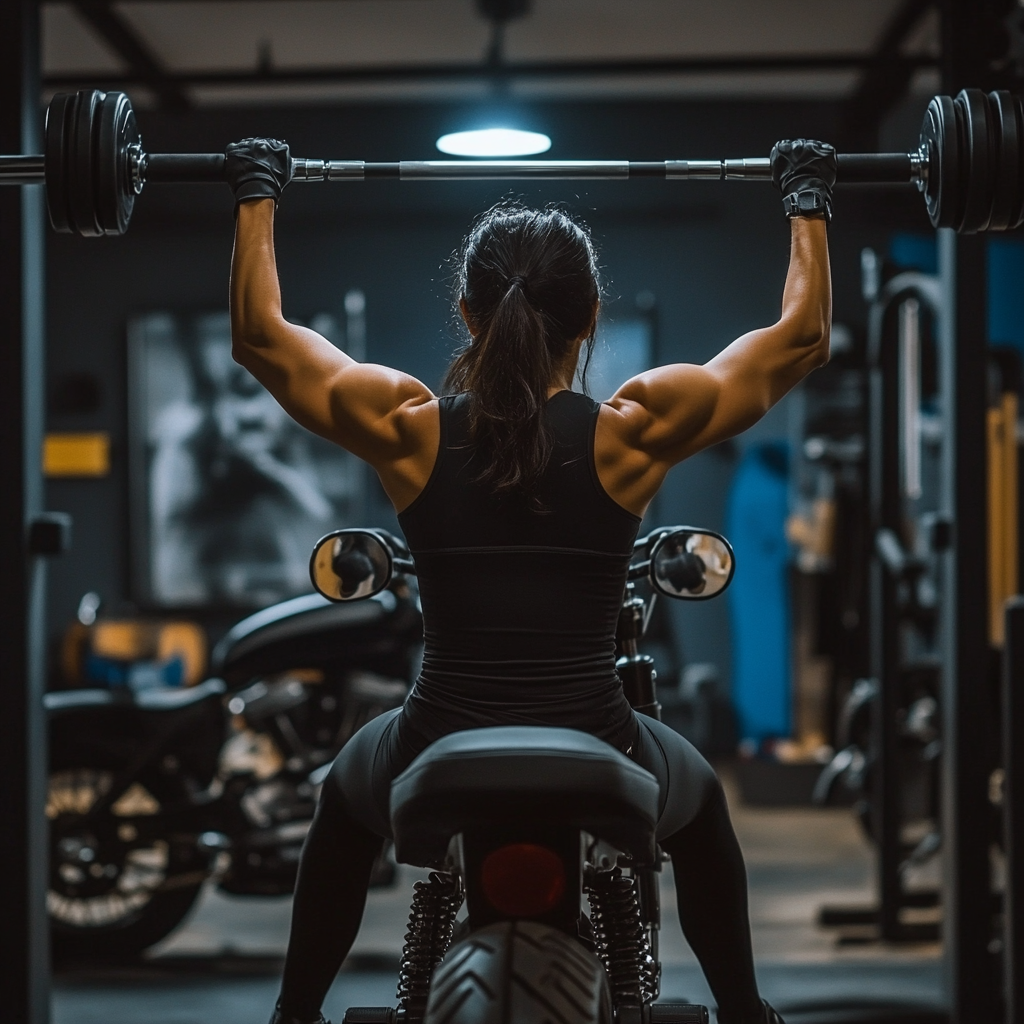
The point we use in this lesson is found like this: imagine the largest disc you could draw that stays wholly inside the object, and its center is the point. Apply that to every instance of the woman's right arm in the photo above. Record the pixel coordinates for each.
(375, 412)
(680, 409)
(665, 415)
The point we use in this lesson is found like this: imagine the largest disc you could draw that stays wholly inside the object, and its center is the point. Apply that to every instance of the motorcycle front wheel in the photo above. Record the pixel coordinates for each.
(519, 972)
(117, 886)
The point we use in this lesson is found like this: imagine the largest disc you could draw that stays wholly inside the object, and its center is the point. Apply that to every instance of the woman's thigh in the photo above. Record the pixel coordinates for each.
(686, 780)
(362, 772)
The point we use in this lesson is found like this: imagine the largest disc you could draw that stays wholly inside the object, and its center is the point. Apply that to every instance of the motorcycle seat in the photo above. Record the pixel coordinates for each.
(157, 699)
(536, 775)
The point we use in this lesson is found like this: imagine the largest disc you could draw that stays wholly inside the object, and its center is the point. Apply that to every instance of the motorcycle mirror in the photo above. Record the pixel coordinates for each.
(349, 565)
(691, 564)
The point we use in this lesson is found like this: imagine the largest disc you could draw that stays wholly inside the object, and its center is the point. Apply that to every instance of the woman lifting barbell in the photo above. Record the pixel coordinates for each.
(491, 464)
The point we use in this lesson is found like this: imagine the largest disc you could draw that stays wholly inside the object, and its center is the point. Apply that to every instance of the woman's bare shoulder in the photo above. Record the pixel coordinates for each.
(403, 478)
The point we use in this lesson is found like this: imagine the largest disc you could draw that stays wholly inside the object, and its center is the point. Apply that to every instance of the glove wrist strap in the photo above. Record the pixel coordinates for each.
(808, 202)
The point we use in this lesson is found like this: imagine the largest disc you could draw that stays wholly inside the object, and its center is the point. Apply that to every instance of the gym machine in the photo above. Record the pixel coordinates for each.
(894, 744)
(891, 744)
(969, 165)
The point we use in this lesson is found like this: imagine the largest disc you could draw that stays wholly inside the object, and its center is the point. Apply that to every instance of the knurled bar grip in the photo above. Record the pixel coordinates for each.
(875, 168)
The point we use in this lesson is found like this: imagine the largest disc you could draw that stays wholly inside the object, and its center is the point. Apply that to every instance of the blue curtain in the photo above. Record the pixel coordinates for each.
(759, 595)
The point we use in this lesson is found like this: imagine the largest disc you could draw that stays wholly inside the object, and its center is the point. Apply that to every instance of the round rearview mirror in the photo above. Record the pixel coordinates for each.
(691, 564)
(348, 565)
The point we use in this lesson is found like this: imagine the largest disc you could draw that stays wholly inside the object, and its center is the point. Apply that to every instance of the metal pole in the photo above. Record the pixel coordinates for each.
(968, 755)
(969, 734)
(24, 937)
(886, 626)
(910, 397)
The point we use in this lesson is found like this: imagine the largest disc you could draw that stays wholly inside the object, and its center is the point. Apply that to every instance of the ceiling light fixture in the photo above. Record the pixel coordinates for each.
(494, 142)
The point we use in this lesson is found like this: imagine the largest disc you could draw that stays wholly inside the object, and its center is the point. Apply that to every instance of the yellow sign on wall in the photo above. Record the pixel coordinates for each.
(81, 454)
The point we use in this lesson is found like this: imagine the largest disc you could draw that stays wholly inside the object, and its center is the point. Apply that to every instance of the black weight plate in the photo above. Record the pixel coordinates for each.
(1006, 173)
(55, 153)
(973, 105)
(115, 197)
(81, 173)
(941, 142)
(1017, 216)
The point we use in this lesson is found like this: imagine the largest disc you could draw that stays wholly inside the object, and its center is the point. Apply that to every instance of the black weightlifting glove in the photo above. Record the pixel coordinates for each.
(804, 171)
(257, 169)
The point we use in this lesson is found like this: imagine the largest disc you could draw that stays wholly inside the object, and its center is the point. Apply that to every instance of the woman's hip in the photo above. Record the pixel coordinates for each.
(383, 748)
(363, 771)
(685, 778)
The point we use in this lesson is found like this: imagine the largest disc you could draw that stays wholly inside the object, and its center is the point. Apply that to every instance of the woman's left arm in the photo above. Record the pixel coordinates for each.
(371, 410)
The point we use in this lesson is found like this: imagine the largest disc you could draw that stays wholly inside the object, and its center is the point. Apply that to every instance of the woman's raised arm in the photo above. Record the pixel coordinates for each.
(665, 415)
(373, 411)
(674, 411)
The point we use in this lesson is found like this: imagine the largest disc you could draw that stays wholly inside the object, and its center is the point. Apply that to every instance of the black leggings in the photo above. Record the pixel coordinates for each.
(351, 820)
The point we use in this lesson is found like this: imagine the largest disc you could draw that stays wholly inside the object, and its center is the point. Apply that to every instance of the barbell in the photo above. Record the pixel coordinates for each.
(969, 164)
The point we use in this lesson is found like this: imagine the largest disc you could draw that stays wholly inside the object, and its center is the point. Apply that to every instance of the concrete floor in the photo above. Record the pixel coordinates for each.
(222, 966)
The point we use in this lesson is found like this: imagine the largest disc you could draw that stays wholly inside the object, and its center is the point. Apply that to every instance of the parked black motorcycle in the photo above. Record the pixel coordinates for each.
(519, 822)
(152, 793)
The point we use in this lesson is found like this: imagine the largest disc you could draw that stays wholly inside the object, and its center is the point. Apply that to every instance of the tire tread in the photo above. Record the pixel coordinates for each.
(519, 973)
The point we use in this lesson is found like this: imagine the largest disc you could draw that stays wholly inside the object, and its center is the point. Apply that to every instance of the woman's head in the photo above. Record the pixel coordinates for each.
(528, 290)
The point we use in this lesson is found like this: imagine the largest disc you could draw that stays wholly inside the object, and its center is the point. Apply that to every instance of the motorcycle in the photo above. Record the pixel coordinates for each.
(154, 792)
(519, 822)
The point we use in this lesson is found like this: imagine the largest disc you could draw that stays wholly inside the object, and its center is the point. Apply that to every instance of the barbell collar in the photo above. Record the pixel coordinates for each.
(328, 170)
(719, 170)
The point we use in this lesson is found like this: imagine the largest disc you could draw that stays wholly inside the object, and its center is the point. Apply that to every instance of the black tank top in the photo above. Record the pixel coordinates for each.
(519, 605)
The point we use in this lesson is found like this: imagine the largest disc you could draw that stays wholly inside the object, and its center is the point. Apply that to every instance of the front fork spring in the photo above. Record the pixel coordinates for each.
(620, 939)
(435, 903)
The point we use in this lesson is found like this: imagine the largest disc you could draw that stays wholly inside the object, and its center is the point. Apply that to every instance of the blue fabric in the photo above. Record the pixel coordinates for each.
(1006, 292)
(1005, 258)
(759, 595)
(919, 252)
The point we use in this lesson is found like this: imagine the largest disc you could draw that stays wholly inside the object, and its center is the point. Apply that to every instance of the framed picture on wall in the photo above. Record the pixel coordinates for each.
(228, 494)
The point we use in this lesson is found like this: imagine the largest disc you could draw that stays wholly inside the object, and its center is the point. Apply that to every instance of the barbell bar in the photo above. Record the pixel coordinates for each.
(969, 164)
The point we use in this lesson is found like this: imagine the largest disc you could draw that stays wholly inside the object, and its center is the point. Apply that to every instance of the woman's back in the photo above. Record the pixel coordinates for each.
(520, 597)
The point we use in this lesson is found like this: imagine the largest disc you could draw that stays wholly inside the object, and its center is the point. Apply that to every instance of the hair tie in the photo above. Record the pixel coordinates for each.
(517, 280)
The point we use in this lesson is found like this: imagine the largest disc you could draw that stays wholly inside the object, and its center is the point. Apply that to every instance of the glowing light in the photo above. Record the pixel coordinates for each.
(494, 142)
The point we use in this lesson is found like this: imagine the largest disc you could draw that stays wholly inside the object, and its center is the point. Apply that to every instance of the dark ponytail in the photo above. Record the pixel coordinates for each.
(529, 286)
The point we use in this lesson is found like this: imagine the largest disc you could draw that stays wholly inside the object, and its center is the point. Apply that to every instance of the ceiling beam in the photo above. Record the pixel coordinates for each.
(519, 70)
(885, 81)
(143, 66)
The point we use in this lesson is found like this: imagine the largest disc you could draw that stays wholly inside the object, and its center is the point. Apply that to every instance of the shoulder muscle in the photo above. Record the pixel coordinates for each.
(377, 411)
(664, 412)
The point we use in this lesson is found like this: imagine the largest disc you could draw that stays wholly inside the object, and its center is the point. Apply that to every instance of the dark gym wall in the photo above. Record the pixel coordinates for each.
(714, 256)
